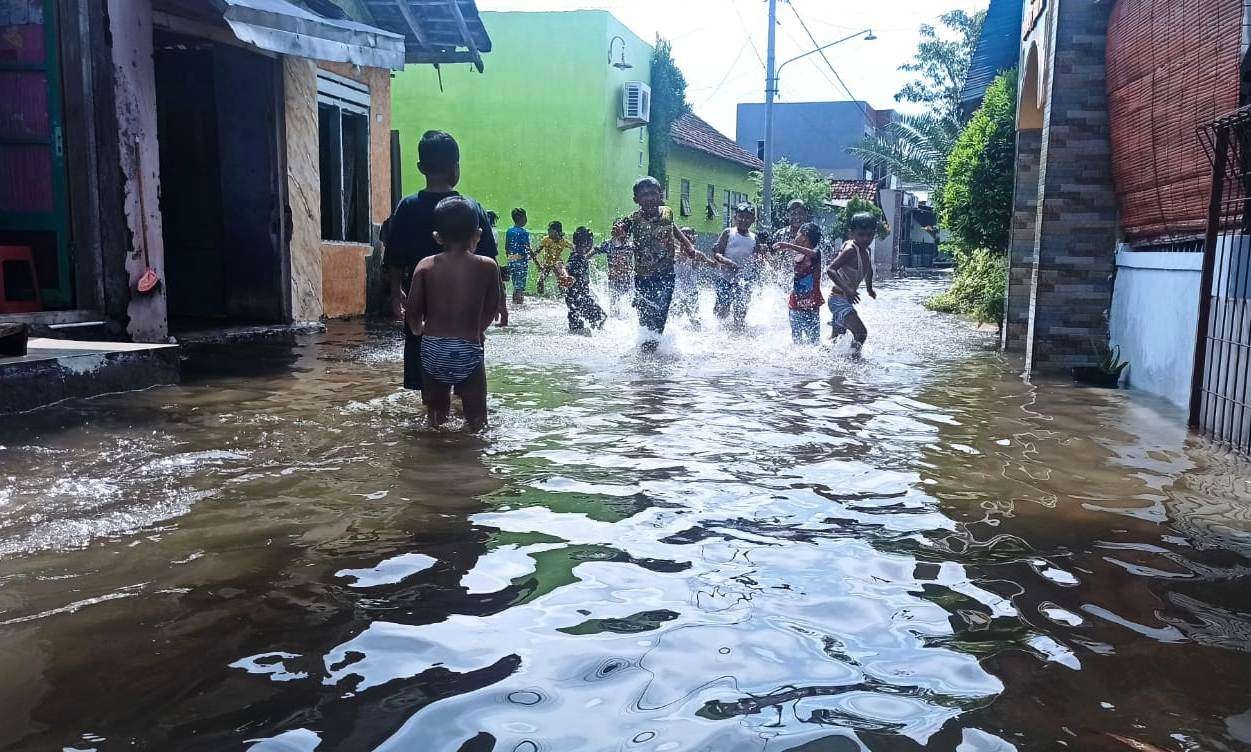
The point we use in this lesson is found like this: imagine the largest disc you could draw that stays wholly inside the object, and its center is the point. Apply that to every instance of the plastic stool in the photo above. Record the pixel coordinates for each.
(19, 283)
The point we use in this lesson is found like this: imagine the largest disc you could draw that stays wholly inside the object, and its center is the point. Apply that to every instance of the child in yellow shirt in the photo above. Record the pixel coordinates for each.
(552, 251)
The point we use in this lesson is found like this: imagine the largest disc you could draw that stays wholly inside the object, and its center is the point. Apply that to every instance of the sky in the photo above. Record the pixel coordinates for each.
(720, 45)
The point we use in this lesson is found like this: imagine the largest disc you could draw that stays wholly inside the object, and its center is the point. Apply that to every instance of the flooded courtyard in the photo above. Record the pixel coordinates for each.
(734, 545)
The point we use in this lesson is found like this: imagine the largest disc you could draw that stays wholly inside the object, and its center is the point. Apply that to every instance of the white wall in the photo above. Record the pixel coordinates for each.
(1155, 311)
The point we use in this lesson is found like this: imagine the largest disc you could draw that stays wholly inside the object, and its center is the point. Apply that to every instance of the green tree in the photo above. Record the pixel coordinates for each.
(790, 182)
(668, 104)
(977, 198)
(913, 148)
(857, 206)
(941, 62)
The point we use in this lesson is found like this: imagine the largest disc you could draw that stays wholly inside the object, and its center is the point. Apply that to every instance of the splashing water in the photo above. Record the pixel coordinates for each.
(732, 544)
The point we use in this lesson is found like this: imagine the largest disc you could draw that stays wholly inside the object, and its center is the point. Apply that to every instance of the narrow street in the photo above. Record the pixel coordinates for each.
(738, 545)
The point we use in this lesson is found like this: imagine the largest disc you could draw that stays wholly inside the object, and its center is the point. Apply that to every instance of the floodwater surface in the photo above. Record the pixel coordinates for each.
(734, 544)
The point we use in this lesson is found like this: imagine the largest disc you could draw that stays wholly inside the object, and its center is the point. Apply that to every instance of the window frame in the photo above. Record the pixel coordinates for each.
(341, 100)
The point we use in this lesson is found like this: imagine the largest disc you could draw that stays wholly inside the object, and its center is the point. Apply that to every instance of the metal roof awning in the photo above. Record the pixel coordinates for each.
(285, 28)
(435, 31)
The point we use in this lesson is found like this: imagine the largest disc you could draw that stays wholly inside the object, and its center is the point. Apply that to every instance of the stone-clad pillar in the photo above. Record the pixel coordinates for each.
(1077, 216)
(1021, 243)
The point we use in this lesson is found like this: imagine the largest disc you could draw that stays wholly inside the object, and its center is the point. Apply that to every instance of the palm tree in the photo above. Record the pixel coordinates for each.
(913, 148)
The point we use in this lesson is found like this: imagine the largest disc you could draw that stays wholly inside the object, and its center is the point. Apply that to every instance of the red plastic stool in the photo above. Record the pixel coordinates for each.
(19, 283)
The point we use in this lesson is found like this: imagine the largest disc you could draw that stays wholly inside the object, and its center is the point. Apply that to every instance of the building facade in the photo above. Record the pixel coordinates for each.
(238, 152)
(542, 127)
(708, 175)
(813, 134)
(1118, 233)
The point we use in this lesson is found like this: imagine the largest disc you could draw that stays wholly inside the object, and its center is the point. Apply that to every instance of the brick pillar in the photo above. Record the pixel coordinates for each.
(1021, 243)
(1077, 219)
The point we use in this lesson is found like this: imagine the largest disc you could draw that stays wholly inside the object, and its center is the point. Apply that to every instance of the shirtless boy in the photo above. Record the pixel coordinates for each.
(453, 298)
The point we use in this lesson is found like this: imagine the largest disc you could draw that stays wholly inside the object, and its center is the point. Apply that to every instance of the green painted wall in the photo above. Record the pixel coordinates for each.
(704, 170)
(538, 128)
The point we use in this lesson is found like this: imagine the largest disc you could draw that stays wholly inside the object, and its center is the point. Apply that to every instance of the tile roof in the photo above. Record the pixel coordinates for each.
(998, 48)
(692, 132)
(845, 190)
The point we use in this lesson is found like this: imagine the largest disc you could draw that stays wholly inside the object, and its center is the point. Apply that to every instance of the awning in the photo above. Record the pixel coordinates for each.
(285, 28)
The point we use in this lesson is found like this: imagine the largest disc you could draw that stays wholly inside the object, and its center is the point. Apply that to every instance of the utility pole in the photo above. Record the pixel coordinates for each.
(771, 88)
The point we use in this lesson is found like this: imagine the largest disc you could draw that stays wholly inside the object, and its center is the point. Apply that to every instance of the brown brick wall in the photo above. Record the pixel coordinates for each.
(1021, 242)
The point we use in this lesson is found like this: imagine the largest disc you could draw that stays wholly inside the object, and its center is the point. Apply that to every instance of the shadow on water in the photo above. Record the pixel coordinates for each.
(733, 545)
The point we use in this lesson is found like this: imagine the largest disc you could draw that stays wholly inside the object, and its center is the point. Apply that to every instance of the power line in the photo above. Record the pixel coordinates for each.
(728, 71)
(752, 42)
(867, 119)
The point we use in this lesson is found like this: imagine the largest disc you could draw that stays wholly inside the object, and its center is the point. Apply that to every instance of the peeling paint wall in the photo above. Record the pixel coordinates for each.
(303, 188)
(130, 26)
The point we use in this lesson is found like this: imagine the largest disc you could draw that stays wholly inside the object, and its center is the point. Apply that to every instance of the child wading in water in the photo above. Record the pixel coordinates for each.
(552, 250)
(737, 250)
(453, 298)
(655, 240)
(849, 268)
(805, 301)
(576, 276)
(517, 246)
(686, 285)
(620, 265)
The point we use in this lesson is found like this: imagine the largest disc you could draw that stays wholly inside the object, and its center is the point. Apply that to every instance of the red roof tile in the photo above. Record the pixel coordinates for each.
(845, 190)
(692, 132)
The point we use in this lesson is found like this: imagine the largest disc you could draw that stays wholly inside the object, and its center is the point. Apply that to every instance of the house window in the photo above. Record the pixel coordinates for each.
(728, 208)
(711, 209)
(642, 135)
(343, 157)
(760, 150)
(640, 160)
(686, 198)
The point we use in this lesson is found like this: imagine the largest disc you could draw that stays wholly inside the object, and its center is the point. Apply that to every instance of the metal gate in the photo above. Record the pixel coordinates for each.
(1219, 397)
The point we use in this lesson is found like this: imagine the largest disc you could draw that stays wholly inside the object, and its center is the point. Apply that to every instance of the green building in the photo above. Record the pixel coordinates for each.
(543, 127)
(708, 175)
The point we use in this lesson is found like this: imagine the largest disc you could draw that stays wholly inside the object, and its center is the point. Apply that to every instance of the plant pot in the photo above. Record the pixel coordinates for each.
(13, 340)
(1094, 376)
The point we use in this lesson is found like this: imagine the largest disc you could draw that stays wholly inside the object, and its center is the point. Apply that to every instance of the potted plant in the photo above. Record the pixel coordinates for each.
(1107, 370)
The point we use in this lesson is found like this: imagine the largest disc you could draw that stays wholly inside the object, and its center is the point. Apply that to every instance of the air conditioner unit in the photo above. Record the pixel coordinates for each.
(636, 105)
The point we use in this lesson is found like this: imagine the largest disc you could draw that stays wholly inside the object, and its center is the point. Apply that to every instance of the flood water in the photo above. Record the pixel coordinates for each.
(732, 545)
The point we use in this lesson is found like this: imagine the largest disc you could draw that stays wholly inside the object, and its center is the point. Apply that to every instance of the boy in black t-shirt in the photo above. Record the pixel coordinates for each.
(410, 237)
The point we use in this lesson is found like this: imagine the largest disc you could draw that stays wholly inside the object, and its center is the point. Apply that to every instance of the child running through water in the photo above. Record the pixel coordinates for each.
(686, 285)
(517, 246)
(655, 239)
(805, 300)
(576, 276)
(737, 250)
(851, 266)
(620, 265)
(552, 250)
(453, 298)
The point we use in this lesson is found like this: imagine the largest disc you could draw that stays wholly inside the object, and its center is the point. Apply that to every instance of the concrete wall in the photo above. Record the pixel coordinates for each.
(303, 188)
(814, 134)
(704, 170)
(1154, 320)
(538, 129)
(130, 29)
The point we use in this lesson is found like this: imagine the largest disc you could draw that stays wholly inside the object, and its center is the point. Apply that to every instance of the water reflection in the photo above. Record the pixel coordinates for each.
(738, 545)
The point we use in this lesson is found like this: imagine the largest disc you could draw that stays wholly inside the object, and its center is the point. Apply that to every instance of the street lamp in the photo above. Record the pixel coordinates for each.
(771, 88)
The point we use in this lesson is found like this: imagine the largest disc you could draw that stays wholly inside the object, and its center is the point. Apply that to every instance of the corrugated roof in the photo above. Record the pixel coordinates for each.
(435, 31)
(846, 190)
(998, 49)
(694, 133)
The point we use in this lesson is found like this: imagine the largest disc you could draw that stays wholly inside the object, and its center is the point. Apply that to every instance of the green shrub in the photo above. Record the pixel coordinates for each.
(977, 287)
(977, 198)
(856, 206)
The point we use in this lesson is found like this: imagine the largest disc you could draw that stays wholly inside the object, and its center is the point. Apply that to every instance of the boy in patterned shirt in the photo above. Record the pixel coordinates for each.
(655, 240)
(552, 251)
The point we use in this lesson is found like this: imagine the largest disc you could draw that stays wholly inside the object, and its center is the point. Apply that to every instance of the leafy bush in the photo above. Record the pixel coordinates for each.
(977, 287)
(792, 181)
(668, 104)
(856, 206)
(977, 197)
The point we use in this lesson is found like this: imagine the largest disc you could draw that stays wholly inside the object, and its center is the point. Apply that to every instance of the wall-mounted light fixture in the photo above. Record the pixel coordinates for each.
(621, 63)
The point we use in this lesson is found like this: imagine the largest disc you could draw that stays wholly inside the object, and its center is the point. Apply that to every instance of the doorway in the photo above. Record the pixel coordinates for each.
(218, 123)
